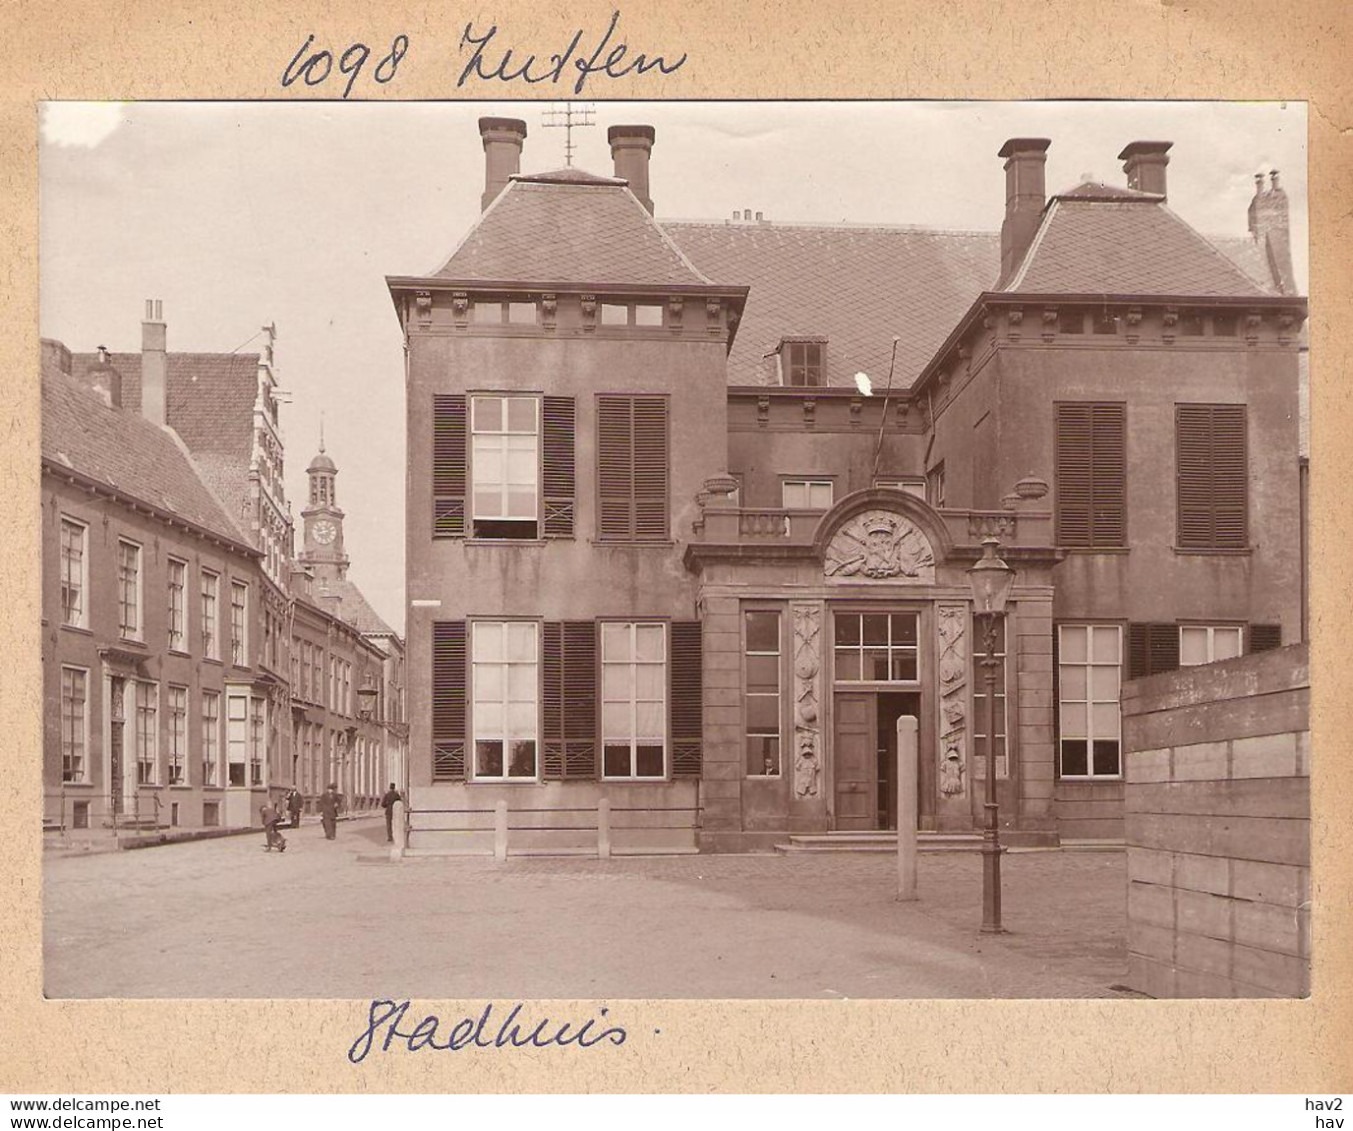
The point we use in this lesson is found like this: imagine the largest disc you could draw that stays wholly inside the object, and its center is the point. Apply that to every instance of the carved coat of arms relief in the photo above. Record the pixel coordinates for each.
(879, 545)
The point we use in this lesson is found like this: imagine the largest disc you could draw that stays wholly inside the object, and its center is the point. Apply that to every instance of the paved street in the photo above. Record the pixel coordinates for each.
(223, 918)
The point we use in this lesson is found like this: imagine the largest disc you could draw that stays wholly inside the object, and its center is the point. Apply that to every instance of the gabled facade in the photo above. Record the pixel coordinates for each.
(618, 465)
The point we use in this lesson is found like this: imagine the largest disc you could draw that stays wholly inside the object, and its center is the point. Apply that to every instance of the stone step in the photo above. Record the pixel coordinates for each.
(881, 841)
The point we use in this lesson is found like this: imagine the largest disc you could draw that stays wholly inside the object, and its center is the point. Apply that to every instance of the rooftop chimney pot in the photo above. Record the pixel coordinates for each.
(154, 364)
(1025, 196)
(631, 149)
(1144, 163)
(1268, 219)
(503, 138)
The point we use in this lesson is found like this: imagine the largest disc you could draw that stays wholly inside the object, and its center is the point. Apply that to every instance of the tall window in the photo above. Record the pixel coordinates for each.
(1089, 722)
(257, 746)
(806, 494)
(876, 647)
(74, 580)
(177, 624)
(316, 674)
(211, 736)
(1091, 474)
(237, 739)
(632, 468)
(177, 706)
(129, 590)
(633, 700)
(1206, 643)
(1211, 449)
(506, 680)
(74, 723)
(761, 665)
(804, 363)
(505, 466)
(934, 486)
(979, 701)
(239, 619)
(211, 615)
(146, 696)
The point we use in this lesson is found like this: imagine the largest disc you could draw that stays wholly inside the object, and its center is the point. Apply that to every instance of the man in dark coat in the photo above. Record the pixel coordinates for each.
(388, 803)
(294, 806)
(328, 810)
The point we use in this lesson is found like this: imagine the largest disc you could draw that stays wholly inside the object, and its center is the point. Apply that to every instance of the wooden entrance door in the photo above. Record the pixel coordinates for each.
(855, 761)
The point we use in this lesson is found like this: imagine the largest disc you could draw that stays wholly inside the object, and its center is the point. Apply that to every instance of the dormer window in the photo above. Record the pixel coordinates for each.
(803, 362)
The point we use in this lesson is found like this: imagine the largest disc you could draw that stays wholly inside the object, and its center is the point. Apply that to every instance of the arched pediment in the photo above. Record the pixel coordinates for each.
(882, 535)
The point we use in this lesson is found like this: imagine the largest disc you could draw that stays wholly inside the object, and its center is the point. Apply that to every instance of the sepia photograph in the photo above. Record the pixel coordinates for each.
(680, 550)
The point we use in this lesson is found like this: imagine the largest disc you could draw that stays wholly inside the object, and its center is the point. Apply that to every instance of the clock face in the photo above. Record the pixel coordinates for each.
(325, 532)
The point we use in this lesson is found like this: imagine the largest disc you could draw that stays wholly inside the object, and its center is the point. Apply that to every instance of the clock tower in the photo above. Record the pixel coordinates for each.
(323, 519)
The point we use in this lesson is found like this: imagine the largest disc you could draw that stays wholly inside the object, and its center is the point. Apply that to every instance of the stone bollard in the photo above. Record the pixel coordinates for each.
(500, 831)
(906, 808)
(604, 828)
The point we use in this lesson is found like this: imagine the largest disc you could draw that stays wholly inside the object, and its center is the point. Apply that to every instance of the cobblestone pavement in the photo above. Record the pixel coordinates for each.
(223, 918)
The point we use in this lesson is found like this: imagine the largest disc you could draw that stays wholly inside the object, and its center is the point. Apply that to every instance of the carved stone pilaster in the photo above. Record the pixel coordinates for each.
(952, 621)
(589, 303)
(549, 311)
(423, 306)
(807, 699)
(460, 308)
(762, 411)
(675, 306)
(714, 315)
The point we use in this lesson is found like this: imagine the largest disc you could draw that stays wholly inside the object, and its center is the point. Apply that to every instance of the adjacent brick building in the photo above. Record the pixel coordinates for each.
(666, 550)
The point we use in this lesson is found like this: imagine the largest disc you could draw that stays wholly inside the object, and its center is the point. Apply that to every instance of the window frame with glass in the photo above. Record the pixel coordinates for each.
(239, 624)
(74, 725)
(979, 706)
(763, 693)
(74, 551)
(621, 669)
(1210, 635)
(493, 448)
(897, 649)
(129, 603)
(146, 697)
(1104, 726)
(210, 606)
(176, 619)
(211, 737)
(176, 713)
(812, 493)
(505, 699)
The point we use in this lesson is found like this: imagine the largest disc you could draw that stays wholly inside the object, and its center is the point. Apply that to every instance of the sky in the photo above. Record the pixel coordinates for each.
(236, 215)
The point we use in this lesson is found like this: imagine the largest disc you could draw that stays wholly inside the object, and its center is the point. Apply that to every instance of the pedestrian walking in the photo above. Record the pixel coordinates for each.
(294, 806)
(272, 837)
(388, 803)
(328, 810)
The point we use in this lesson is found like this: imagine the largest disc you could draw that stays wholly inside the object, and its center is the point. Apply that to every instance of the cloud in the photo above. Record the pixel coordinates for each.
(82, 124)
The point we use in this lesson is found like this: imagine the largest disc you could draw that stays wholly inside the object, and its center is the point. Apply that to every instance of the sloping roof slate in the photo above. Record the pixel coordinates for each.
(855, 286)
(122, 450)
(586, 233)
(1129, 247)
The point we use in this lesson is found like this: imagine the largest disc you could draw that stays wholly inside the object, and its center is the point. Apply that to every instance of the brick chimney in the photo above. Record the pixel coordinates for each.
(1025, 195)
(154, 364)
(1144, 163)
(105, 380)
(503, 138)
(1268, 225)
(631, 147)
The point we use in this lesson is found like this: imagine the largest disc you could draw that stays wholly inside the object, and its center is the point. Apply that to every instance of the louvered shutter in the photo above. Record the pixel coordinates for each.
(615, 479)
(1091, 474)
(569, 700)
(1152, 649)
(448, 466)
(686, 698)
(1265, 637)
(1212, 488)
(448, 700)
(557, 467)
(650, 468)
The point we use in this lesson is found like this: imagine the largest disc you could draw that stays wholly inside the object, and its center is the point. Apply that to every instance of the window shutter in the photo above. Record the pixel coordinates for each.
(1265, 637)
(557, 470)
(632, 461)
(448, 700)
(615, 483)
(569, 700)
(448, 466)
(1152, 649)
(686, 698)
(1212, 492)
(650, 467)
(1091, 474)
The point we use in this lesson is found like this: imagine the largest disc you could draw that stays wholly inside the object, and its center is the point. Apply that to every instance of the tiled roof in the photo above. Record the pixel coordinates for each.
(1124, 247)
(352, 605)
(541, 231)
(1247, 254)
(855, 286)
(122, 450)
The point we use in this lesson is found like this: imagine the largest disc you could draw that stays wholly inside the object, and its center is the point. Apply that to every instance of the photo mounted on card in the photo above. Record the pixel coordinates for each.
(674, 550)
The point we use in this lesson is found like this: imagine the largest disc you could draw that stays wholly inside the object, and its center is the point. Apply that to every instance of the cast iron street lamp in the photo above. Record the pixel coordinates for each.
(991, 580)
